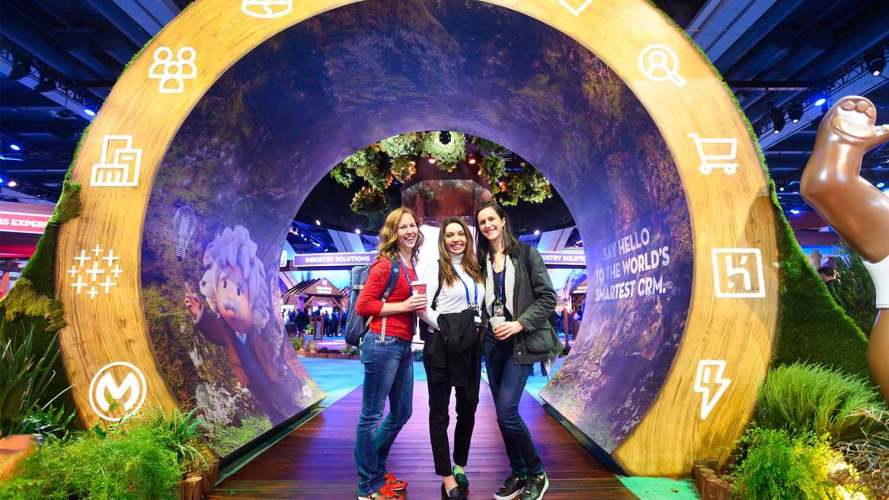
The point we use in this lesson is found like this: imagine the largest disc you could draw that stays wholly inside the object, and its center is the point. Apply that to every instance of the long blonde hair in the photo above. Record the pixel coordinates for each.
(389, 235)
(470, 263)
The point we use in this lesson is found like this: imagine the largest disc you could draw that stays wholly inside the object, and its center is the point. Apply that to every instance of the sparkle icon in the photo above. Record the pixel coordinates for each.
(99, 278)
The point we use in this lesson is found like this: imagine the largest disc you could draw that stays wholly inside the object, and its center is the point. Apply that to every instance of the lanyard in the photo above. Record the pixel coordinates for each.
(466, 289)
(407, 275)
(501, 284)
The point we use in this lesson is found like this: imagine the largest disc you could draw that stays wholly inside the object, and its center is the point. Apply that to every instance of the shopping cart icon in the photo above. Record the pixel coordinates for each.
(716, 153)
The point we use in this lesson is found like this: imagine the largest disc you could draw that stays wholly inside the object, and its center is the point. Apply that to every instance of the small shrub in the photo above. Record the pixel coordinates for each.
(313, 346)
(47, 422)
(180, 432)
(778, 466)
(26, 377)
(118, 464)
(297, 343)
(810, 398)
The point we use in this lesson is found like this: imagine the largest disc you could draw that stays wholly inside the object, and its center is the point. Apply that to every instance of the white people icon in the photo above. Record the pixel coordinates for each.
(173, 71)
(659, 63)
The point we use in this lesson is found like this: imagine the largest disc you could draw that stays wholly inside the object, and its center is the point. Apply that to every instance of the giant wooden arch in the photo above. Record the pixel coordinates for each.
(728, 338)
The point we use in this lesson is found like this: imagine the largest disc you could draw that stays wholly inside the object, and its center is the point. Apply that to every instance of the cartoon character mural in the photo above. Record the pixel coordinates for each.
(233, 310)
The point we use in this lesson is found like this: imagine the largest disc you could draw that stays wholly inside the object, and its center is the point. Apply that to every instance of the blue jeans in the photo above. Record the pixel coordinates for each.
(388, 371)
(507, 381)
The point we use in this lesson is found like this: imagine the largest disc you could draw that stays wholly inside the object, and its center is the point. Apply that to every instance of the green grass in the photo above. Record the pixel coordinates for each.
(809, 398)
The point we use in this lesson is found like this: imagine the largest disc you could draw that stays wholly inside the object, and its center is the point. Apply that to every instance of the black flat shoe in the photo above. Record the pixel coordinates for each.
(462, 483)
(454, 494)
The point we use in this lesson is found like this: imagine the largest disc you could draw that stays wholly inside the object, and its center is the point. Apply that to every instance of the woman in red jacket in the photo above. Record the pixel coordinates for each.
(386, 353)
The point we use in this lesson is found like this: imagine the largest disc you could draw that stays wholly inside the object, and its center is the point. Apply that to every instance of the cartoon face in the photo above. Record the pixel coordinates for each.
(232, 301)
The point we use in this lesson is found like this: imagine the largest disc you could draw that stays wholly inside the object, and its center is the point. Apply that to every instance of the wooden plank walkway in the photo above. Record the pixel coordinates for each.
(316, 460)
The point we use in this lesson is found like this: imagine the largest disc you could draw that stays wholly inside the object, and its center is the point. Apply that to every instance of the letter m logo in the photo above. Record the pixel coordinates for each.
(108, 386)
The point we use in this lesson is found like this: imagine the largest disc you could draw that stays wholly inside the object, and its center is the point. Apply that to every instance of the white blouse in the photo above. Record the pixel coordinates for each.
(452, 298)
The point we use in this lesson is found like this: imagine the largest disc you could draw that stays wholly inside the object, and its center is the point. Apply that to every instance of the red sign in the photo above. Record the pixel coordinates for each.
(20, 222)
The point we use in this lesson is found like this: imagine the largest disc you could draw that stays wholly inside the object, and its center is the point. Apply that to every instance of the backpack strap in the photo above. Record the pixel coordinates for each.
(437, 290)
(394, 271)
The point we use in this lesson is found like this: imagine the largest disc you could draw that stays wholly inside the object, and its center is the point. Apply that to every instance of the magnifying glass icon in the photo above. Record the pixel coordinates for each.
(659, 63)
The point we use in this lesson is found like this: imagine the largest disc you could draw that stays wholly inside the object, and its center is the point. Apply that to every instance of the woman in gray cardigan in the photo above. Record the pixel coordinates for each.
(519, 300)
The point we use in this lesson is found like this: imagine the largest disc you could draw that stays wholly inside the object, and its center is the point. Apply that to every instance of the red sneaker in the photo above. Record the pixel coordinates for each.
(395, 483)
(384, 493)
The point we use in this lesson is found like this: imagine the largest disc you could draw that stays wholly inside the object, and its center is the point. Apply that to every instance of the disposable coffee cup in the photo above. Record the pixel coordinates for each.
(418, 287)
(496, 321)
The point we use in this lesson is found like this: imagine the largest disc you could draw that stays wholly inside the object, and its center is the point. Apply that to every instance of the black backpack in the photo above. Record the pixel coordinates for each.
(357, 325)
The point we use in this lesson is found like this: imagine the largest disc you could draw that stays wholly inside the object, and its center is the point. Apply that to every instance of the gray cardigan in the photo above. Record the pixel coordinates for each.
(531, 303)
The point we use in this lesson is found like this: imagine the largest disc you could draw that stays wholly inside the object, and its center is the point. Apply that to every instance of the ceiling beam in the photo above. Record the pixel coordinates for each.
(57, 96)
(862, 84)
(720, 23)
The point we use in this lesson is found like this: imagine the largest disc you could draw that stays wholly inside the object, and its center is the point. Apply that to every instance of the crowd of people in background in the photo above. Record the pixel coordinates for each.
(323, 322)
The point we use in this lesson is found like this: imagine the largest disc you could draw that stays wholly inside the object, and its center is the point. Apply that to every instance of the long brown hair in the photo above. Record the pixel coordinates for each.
(510, 243)
(470, 264)
(389, 235)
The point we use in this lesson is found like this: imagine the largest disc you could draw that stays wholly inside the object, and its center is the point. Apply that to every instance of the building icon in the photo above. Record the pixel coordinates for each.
(119, 164)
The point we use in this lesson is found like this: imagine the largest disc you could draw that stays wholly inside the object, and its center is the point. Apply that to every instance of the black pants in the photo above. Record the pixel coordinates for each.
(439, 400)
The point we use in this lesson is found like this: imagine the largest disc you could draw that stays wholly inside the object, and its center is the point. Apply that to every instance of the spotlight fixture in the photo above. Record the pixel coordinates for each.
(15, 147)
(20, 68)
(820, 101)
(777, 119)
(471, 159)
(794, 211)
(444, 137)
(46, 84)
(12, 183)
(317, 222)
(876, 62)
(89, 112)
(357, 231)
(781, 189)
(881, 185)
(537, 232)
(795, 112)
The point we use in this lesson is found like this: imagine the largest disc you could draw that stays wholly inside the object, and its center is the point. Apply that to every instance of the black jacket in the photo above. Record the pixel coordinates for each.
(455, 349)
(533, 303)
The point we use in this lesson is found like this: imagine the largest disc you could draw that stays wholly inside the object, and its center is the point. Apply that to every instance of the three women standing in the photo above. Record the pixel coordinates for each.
(510, 280)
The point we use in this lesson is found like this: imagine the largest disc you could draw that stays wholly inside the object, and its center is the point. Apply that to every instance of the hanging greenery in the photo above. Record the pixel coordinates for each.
(401, 145)
(343, 175)
(492, 169)
(403, 168)
(377, 166)
(368, 200)
(446, 156)
(525, 185)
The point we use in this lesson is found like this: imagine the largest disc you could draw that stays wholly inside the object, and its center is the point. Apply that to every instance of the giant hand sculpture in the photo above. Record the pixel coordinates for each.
(857, 210)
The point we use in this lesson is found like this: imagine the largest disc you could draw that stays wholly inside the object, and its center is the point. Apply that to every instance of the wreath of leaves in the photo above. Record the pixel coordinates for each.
(395, 158)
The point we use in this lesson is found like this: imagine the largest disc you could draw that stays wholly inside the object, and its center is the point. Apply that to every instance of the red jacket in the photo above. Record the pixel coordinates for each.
(370, 301)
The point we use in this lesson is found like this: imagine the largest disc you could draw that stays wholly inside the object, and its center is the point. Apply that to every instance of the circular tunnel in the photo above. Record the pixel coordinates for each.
(667, 345)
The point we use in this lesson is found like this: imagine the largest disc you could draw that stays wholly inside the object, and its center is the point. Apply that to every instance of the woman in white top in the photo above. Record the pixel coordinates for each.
(452, 352)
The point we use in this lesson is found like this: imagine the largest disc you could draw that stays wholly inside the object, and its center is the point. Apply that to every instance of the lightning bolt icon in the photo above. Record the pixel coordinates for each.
(710, 383)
